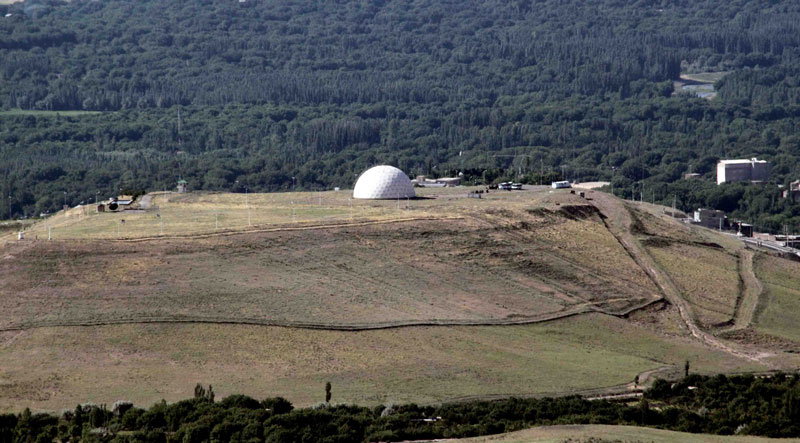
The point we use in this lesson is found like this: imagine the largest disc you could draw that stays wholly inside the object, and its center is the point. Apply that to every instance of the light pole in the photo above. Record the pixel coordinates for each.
(293, 183)
(247, 205)
(65, 199)
(9, 207)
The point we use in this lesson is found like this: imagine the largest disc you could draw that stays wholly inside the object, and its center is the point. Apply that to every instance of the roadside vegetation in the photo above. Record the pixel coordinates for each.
(743, 405)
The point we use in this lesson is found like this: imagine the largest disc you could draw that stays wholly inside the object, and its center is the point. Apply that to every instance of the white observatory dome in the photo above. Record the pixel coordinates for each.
(383, 182)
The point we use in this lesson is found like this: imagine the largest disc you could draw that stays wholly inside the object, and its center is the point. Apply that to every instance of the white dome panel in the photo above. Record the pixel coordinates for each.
(383, 182)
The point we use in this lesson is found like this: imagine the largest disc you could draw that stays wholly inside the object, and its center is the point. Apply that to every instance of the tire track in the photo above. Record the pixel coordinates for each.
(751, 293)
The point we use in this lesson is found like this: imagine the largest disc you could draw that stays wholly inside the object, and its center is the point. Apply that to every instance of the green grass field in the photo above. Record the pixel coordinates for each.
(54, 368)
(606, 433)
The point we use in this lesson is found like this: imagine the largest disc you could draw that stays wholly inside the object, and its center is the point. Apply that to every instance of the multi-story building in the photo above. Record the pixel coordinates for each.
(754, 170)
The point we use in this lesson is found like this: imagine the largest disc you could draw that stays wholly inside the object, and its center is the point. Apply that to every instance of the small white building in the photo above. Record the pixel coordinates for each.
(755, 170)
(561, 184)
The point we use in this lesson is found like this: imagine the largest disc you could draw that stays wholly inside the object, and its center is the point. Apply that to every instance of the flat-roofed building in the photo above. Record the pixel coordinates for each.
(710, 218)
(754, 170)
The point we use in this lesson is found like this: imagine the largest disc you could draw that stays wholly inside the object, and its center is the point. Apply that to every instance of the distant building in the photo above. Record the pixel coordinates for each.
(181, 186)
(710, 218)
(754, 170)
(561, 184)
(793, 192)
(691, 176)
(117, 204)
(442, 182)
(744, 228)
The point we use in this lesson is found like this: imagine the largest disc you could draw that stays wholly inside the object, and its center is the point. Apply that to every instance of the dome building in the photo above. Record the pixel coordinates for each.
(383, 182)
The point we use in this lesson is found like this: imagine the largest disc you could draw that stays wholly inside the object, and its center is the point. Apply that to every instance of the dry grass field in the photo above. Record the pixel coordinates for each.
(54, 368)
(702, 263)
(606, 433)
(779, 313)
(508, 260)
(707, 277)
(110, 310)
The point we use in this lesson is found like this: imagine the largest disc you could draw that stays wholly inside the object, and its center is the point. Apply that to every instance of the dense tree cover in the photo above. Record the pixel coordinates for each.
(263, 91)
(716, 405)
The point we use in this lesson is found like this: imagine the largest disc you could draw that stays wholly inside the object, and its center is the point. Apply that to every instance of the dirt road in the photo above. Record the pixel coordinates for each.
(751, 292)
(619, 222)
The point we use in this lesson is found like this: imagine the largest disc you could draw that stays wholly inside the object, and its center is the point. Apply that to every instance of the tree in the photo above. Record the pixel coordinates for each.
(210, 394)
(328, 392)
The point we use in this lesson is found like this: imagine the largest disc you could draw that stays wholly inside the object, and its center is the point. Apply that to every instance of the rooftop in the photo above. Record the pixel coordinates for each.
(742, 161)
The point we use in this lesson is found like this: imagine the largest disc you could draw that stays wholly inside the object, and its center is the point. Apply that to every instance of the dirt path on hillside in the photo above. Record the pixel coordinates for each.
(751, 292)
(583, 308)
(619, 221)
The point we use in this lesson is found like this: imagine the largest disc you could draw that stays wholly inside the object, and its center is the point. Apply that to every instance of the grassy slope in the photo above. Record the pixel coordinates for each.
(780, 315)
(54, 368)
(496, 262)
(599, 433)
(707, 275)
(708, 278)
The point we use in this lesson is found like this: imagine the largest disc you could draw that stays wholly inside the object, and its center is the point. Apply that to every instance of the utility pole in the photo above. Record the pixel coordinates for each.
(541, 171)
(247, 205)
(673, 206)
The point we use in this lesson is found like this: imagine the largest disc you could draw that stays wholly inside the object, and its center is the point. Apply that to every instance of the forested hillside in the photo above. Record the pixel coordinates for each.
(262, 91)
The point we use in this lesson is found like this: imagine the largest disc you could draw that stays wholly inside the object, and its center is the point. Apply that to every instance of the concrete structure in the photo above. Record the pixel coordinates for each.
(710, 218)
(754, 170)
(117, 204)
(745, 229)
(793, 192)
(383, 182)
